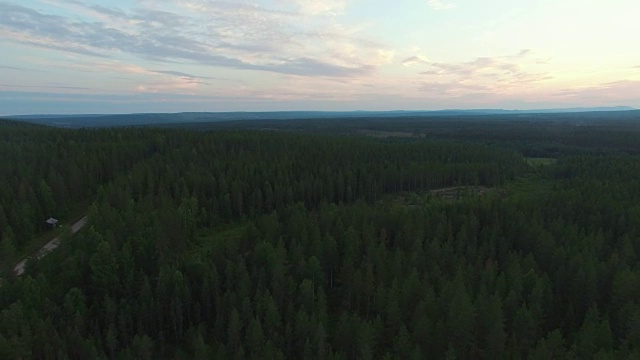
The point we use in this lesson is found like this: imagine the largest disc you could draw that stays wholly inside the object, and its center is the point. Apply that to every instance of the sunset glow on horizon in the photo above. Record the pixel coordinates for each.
(88, 56)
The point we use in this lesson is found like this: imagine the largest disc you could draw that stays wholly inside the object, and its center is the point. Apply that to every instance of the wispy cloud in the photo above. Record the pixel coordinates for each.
(212, 33)
(415, 60)
(18, 68)
(499, 68)
(441, 5)
(495, 75)
(621, 91)
(175, 85)
(449, 90)
(318, 7)
(65, 87)
(180, 74)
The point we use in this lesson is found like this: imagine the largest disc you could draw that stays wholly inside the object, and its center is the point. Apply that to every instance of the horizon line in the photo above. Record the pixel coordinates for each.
(572, 109)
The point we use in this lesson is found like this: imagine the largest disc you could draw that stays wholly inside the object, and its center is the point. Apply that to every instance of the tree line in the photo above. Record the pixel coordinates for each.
(240, 244)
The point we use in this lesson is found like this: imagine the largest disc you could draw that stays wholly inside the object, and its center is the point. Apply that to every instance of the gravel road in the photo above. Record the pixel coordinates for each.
(49, 246)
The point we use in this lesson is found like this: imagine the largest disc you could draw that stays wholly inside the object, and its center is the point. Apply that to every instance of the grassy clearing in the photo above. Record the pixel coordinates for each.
(209, 240)
(525, 188)
(529, 188)
(448, 194)
(458, 192)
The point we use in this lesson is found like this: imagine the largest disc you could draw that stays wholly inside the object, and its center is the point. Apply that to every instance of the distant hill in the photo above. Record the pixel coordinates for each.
(107, 120)
(563, 110)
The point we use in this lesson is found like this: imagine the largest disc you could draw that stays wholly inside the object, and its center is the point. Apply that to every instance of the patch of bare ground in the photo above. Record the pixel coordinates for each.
(456, 192)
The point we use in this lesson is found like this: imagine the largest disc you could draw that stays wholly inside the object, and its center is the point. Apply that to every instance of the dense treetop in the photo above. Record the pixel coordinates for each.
(247, 244)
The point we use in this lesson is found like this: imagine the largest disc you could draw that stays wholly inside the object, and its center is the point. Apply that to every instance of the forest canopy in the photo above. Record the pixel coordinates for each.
(315, 243)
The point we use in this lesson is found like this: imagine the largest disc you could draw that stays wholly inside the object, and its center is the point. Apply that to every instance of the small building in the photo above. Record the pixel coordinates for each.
(52, 222)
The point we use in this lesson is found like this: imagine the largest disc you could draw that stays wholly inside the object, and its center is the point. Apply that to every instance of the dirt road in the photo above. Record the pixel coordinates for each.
(49, 246)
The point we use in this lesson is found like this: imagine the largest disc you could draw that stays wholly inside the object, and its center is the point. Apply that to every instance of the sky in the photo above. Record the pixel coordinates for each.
(125, 56)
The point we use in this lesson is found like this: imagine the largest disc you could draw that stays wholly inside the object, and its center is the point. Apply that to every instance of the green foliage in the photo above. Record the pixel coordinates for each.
(268, 245)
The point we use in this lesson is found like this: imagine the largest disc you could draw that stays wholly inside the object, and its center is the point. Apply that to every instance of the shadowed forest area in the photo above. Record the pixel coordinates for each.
(466, 238)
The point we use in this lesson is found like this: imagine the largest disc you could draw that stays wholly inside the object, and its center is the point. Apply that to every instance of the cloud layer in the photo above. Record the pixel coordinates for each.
(213, 33)
(320, 54)
(482, 75)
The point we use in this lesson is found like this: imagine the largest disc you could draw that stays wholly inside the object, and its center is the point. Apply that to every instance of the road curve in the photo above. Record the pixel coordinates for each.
(49, 246)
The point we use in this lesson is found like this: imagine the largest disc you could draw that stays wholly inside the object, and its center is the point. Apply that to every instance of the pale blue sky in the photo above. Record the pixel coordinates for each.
(88, 56)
